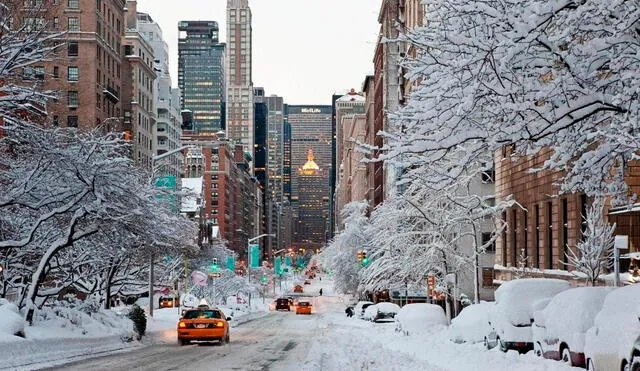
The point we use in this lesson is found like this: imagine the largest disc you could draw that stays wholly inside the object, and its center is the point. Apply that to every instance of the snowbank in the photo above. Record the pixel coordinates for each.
(472, 324)
(11, 322)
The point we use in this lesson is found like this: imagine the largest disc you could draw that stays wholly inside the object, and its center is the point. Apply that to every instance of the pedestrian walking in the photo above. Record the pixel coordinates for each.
(320, 292)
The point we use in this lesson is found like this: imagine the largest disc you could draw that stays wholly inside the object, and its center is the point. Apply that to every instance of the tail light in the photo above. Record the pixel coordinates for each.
(182, 324)
(219, 324)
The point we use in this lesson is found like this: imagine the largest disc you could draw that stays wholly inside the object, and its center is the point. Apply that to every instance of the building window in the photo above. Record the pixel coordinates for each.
(565, 233)
(536, 235)
(73, 24)
(486, 237)
(72, 49)
(56, 120)
(549, 235)
(72, 121)
(72, 73)
(56, 72)
(56, 23)
(74, 4)
(583, 214)
(514, 237)
(72, 98)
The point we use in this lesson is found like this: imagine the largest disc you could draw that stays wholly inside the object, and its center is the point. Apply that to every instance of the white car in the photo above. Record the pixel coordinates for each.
(381, 311)
(420, 318)
(559, 330)
(472, 324)
(615, 329)
(511, 317)
(359, 309)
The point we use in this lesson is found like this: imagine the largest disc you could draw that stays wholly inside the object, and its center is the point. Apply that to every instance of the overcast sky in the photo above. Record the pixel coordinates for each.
(303, 50)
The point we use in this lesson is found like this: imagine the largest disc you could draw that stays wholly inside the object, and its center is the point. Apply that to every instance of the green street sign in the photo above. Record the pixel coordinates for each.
(231, 263)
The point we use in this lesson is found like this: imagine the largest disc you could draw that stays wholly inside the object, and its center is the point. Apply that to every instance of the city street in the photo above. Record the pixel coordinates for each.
(326, 340)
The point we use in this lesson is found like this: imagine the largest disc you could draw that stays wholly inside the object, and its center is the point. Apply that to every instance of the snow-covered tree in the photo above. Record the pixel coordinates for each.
(593, 254)
(525, 75)
(341, 255)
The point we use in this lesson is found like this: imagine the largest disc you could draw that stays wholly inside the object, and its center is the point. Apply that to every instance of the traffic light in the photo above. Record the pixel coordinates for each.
(214, 265)
(264, 279)
(360, 256)
(365, 260)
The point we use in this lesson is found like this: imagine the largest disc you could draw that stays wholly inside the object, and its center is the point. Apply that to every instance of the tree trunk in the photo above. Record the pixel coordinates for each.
(38, 276)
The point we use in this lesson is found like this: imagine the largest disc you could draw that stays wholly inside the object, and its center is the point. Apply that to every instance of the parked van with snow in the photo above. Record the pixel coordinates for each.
(511, 317)
(559, 329)
(609, 343)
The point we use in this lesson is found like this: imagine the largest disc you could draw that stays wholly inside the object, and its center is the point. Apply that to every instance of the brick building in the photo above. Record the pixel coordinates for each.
(86, 73)
(232, 197)
(138, 85)
(540, 232)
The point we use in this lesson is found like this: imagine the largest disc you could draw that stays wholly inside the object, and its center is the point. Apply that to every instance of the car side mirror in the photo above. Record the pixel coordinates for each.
(228, 318)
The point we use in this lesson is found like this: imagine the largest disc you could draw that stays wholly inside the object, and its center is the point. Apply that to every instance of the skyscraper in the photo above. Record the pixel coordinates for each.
(313, 189)
(240, 109)
(201, 76)
(307, 128)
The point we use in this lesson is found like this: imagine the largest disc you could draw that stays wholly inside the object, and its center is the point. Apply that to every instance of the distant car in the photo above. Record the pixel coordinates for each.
(283, 304)
(511, 317)
(298, 288)
(559, 329)
(168, 301)
(307, 282)
(303, 307)
(609, 343)
(472, 324)
(360, 307)
(203, 325)
(420, 318)
(381, 311)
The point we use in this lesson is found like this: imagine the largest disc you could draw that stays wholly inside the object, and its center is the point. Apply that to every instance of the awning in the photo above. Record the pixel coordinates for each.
(624, 209)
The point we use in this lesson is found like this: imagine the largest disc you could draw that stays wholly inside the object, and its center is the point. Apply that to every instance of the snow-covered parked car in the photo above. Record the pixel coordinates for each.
(472, 324)
(420, 318)
(511, 317)
(381, 311)
(11, 322)
(609, 343)
(360, 307)
(559, 329)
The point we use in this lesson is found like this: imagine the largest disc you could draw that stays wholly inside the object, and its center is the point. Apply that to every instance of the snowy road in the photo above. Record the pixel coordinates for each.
(277, 341)
(325, 341)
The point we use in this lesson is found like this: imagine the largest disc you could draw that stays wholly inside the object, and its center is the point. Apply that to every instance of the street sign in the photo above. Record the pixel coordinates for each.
(277, 265)
(287, 261)
(254, 256)
(215, 275)
(231, 263)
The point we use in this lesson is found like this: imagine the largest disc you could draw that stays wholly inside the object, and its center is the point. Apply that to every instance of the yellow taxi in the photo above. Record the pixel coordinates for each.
(203, 324)
(303, 307)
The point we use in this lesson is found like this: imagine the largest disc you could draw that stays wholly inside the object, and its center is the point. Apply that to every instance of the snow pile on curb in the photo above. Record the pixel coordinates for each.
(61, 333)
(11, 322)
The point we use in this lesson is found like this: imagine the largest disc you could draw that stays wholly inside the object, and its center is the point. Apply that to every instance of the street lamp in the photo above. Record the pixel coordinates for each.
(153, 170)
(249, 252)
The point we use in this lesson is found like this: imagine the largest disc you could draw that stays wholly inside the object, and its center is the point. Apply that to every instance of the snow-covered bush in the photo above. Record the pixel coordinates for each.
(139, 318)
